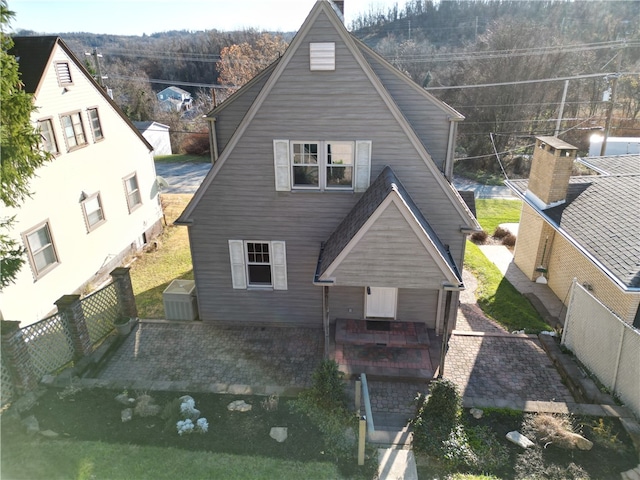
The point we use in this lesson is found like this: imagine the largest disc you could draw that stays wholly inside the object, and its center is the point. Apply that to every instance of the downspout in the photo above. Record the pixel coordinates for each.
(325, 319)
(445, 333)
(451, 147)
(213, 139)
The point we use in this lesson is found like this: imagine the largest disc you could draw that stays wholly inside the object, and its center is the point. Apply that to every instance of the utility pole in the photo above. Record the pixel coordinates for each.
(561, 112)
(96, 56)
(612, 103)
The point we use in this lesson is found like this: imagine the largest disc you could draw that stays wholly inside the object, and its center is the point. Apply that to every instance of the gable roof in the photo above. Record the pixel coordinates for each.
(600, 218)
(326, 7)
(384, 189)
(34, 55)
(611, 165)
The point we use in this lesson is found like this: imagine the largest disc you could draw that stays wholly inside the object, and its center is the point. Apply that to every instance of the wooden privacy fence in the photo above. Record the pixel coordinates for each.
(605, 344)
(58, 341)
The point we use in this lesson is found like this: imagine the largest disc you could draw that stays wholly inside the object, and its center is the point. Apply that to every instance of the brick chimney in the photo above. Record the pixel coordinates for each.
(340, 5)
(550, 172)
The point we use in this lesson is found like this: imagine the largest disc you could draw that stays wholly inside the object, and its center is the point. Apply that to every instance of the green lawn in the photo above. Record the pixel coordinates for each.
(38, 458)
(152, 272)
(182, 158)
(493, 212)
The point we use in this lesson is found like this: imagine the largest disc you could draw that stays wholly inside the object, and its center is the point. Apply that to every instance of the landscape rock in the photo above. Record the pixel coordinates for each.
(31, 424)
(519, 439)
(239, 406)
(580, 442)
(48, 433)
(279, 434)
(124, 399)
(126, 415)
(476, 413)
(187, 398)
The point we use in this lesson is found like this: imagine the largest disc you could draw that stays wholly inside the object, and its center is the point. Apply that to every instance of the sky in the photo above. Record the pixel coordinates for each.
(135, 17)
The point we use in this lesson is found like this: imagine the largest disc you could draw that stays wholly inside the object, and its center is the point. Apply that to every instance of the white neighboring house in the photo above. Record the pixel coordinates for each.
(157, 134)
(95, 202)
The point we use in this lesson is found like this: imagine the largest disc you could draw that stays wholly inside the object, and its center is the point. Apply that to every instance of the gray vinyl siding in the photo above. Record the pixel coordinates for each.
(241, 202)
(375, 260)
(228, 119)
(430, 122)
(414, 305)
(417, 305)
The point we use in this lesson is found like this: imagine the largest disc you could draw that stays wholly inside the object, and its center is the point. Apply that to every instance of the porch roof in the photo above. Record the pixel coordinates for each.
(386, 189)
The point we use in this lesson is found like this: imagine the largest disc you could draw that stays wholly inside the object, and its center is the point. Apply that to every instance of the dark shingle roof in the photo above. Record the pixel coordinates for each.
(613, 165)
(378, 191)
(601, 217)
(33, 55)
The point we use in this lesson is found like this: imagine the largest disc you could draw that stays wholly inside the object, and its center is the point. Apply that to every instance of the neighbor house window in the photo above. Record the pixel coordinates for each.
(96, 128)
(133, 192)
(41, 250)
(258, 264)
(73, 130)
(93, 213)
(47, 136)
(63, 73)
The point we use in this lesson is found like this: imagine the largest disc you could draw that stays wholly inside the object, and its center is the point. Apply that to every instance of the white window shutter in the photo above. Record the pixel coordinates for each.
(363, 165)
(279, 265)
(282, 166)
(238, 272)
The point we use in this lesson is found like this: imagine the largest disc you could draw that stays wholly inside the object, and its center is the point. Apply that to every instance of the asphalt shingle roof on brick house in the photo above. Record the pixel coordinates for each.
(601, 216)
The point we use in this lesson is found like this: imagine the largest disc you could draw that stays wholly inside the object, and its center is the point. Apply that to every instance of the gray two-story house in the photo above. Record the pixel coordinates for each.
(330, 196)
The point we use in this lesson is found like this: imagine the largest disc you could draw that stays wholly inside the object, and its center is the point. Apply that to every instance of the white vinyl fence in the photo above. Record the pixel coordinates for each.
(605, 344)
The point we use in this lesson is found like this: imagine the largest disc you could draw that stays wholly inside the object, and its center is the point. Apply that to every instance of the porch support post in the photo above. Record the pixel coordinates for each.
(325, 319)
(439, 318)
(445, 333)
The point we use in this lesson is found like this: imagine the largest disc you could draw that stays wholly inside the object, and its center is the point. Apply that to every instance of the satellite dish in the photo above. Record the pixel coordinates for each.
(161, 182)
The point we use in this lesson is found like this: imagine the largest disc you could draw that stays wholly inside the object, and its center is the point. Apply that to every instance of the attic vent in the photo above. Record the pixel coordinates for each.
(322, 56)
(63, 72)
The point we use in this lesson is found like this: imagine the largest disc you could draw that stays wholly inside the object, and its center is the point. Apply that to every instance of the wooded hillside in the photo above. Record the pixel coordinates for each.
(592, 47)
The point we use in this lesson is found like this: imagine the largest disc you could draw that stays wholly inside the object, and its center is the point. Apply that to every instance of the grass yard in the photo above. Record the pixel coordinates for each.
(152, 271)
(182, 158)
(496, 296)
(94, 443)
(493, 212)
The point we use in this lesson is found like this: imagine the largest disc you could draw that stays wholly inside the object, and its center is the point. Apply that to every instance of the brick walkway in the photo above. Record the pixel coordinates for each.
(199, 354)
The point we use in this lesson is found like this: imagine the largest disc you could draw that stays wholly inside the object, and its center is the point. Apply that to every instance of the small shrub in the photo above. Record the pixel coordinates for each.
(509, 240)
(500, 233)
(271, 403)
(196, 143)
(146, 406)
(328, 386)
(437, 415)
(479, 237)
(602, 434)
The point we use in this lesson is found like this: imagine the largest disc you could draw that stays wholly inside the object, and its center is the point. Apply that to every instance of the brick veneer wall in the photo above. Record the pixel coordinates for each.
(530, 246)
(567, 262)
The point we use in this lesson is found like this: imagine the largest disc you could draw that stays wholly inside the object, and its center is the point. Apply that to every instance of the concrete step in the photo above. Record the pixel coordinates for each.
(396, 464)
(633, 474)
(390, 438)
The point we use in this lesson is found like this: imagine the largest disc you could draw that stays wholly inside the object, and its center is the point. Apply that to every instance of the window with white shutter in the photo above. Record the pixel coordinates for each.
(281, 164)
(258, 264)
(363, 165)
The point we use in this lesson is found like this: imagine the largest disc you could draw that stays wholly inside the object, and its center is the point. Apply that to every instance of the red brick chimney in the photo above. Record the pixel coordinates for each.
(550, 171)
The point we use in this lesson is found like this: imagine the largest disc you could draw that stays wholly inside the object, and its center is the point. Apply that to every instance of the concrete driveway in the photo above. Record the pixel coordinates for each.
(182, 177)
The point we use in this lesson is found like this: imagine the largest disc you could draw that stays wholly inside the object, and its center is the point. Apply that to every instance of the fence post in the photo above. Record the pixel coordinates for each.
(124, 289)
(362, 437)
(16, 353)
(70, 308)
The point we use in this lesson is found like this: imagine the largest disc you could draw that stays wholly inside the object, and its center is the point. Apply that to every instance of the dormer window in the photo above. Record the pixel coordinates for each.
(322, 56)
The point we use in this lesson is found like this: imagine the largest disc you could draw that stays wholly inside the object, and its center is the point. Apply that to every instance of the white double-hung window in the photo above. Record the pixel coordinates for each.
(258, 264)
(322, 165)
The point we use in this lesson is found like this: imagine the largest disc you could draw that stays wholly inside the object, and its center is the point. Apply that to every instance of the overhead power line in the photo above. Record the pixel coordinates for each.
(539, 80)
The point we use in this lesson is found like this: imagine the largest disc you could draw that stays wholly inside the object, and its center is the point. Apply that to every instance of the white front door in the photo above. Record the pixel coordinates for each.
(380, 302)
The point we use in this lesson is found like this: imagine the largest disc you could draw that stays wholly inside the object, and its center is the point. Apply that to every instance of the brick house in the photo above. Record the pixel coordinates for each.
(583, 227)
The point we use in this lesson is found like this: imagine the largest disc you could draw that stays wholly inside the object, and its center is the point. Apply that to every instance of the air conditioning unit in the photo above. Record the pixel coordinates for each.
(180, 302)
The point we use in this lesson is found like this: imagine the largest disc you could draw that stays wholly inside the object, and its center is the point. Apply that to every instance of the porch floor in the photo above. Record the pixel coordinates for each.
(384, 349)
